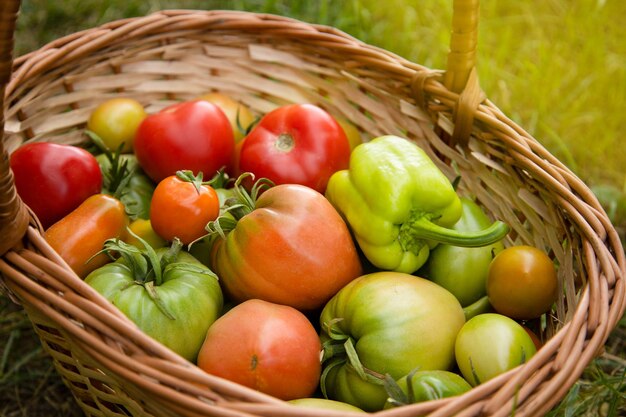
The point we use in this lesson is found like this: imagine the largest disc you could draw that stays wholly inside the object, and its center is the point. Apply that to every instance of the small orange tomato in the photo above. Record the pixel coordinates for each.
(522, 282)
(81, 234)
(181, 207)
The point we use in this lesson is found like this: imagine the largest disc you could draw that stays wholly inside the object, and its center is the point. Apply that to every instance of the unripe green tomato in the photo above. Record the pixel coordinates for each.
(489, 345)
(463, 271)
(115, 121)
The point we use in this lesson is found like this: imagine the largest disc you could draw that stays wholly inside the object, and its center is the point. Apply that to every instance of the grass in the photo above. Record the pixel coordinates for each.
(556, 67)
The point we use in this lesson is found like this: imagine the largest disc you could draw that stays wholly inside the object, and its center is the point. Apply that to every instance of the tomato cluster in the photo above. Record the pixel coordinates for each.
(280, 253)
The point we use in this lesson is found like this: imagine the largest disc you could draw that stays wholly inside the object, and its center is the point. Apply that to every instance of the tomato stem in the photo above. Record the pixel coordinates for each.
(285, 142)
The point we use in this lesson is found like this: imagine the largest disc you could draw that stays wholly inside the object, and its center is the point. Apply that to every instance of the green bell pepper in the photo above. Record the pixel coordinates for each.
(400, 205)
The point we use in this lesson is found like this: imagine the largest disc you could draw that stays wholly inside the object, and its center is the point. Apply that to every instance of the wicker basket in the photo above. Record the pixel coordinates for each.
(113, 369)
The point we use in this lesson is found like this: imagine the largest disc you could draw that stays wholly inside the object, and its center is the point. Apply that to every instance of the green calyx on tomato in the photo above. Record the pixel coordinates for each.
(124, 179)
(238, 203)
(400, 205)
(167, 293)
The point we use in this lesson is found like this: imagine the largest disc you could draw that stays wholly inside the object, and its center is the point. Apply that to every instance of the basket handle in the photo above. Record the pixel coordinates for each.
(461, 76)
(14, 216)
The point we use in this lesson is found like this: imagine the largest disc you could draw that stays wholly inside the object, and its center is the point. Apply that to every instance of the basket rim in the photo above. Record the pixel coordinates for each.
(433, 93)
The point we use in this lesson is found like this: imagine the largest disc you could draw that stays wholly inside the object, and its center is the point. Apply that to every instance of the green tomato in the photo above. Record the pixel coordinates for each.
(463, 271)
(324, 404)
(176, 308)
(385, 323)
(136, 193)
(425, 386)
(489, 345)
(115, 121)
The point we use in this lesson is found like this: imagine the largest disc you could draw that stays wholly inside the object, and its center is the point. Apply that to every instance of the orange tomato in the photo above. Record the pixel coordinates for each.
(522, 282)
(182, 206)
(81, 234)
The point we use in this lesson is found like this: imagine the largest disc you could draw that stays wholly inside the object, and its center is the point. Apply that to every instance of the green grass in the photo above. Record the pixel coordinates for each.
(556, 67)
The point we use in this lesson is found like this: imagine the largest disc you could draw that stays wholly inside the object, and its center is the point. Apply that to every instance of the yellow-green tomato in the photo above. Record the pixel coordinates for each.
(115, 121)
(489, 345)
(385, 323)
(143, 229)
(324, 404)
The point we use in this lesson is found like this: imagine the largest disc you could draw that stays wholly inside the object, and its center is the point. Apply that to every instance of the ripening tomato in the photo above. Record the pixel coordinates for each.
(142, 228)
(53, 179)
(296, 144)
(522, 282)
(268, 347)
(81, 234)
(181, 207)
(396, 323)
(351, 131)
(115, 121)
(192, 135)
(289, 247)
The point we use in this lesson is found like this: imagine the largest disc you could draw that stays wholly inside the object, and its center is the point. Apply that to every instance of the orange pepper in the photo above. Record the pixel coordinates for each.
(81, 234)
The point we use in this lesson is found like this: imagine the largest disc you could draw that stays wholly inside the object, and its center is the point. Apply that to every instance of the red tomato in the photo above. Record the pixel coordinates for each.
(182, 206)
(296, 144)
(193, 135)
(268, 347)
(293, 248)
(54, 179)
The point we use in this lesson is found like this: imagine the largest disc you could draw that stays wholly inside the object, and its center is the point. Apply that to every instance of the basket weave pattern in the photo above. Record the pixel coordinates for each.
(266, 61)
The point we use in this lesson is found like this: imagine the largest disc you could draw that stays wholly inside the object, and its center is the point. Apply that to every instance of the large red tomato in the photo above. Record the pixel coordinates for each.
(265, 346)
(292, 248)
(296, 144)
(192, 135)
(54, 179)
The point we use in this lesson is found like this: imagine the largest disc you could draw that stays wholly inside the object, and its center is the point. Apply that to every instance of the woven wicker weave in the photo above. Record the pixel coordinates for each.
(265, 61)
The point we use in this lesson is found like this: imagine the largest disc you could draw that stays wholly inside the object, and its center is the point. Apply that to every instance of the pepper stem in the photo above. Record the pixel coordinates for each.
(423, 228)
